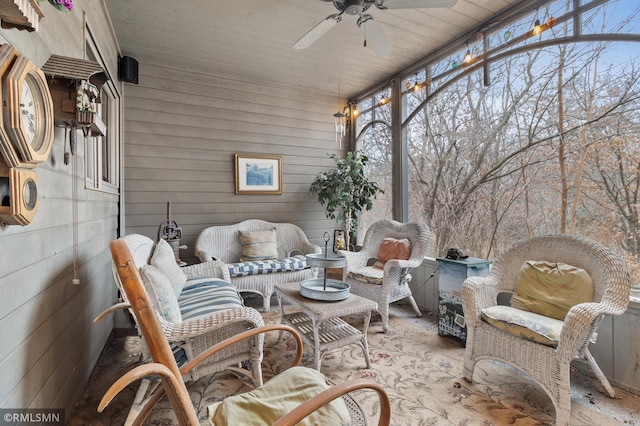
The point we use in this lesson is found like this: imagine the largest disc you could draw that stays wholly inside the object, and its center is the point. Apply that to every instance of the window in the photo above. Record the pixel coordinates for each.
(102, 152)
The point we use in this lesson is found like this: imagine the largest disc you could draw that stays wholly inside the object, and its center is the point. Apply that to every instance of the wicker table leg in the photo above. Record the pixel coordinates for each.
(365, 345)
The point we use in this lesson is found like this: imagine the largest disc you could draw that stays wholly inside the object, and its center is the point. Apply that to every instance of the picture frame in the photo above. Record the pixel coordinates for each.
(258, 174)
(338, 240)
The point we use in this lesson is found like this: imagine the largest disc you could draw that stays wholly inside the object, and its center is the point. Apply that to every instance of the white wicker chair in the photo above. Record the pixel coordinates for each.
(199, 334)
(547, 366)
(394, 285)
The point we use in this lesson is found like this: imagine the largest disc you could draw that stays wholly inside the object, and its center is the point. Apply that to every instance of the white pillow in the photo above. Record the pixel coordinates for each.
(164, 259)
(160, 291)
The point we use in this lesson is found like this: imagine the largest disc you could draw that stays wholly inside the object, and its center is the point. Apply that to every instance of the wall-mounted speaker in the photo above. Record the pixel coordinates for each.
(128, 70)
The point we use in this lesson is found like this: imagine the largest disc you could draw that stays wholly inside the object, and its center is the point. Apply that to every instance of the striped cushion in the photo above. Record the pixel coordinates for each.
(203, 296)
(243, 269)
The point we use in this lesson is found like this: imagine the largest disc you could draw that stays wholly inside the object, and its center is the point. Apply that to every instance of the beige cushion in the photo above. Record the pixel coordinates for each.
(258, 245)
(277, 397)
(164, 259)
(393, 248)
(161, 293)
(550, 288)
(524, 324)
(368, 274)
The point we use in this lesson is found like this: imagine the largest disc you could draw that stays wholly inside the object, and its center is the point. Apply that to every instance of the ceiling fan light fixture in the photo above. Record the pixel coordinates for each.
(354, 7)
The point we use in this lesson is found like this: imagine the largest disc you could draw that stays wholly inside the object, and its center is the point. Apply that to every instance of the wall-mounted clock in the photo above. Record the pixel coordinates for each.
(28, 118)
(11, 156)
(18, 196)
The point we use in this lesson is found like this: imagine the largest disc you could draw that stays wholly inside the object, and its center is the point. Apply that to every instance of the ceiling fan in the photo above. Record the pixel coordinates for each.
(373, 34)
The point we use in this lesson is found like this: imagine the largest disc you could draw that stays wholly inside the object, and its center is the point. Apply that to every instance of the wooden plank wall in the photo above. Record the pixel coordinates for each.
(49, 343)
(182, 131)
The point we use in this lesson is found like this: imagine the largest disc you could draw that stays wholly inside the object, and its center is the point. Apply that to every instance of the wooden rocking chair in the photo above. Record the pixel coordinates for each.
(164, 364)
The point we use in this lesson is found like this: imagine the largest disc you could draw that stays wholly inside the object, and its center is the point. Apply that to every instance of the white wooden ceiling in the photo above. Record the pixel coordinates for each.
(251, 39)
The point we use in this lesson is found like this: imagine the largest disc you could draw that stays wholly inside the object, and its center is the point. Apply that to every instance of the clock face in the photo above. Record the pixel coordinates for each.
(28, 109)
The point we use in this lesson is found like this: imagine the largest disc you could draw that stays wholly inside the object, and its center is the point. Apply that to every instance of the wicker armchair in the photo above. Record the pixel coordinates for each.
(394, 284)
(171, 376)
(546, 365)
(194, 336)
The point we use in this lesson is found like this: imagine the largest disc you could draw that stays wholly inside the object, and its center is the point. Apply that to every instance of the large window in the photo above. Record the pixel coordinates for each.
(102, 152)
(534, 134)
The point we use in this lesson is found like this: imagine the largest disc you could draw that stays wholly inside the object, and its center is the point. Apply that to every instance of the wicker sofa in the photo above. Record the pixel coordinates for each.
(223, 243)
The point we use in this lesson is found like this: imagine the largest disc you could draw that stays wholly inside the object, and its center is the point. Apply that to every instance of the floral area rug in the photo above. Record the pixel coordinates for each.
(421, 372)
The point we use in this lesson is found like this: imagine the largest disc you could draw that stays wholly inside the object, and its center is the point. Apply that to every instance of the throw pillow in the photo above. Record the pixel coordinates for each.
(266, 404)
(258, 245)
(393, 248)
(161, 293)
(550, 288)
(164, 259)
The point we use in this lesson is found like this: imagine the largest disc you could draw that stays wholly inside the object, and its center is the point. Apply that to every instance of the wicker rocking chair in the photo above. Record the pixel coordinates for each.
(173, 385)
(546, 363)
(190, 338)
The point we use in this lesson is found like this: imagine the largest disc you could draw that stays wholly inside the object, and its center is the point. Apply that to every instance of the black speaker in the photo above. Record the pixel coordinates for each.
(128, 70)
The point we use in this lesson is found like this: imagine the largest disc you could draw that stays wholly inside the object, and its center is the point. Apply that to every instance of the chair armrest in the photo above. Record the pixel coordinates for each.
(399, 263)
(209, 269)
(478, 293)
(176, 332)
(581, 319)
(303, 410)
(308, 248)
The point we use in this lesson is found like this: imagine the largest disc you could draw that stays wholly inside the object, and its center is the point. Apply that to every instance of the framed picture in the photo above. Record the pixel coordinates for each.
(258, 174)
(338, 240)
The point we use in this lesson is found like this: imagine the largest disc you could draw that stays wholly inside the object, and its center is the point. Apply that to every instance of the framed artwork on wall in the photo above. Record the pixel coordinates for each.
(258, 174)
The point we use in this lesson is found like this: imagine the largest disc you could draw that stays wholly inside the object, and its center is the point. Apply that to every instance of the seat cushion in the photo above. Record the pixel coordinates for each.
(161, 293)
(164, 259)
(551, 288)
(207, 295)
(277, 397)
(527, 325)
(393, 248)
(258, 245)
(368, 274)
(241, 269)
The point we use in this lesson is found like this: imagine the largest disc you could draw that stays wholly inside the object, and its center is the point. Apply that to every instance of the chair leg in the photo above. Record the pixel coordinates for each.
(146, 388)
(383, 308)
(266, 302)
(599, 374)
(414, 305)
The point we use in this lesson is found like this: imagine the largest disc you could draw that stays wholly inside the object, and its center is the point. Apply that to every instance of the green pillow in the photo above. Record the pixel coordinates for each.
(266, 404)
(161, 293)
(258, 245)
(551, 288)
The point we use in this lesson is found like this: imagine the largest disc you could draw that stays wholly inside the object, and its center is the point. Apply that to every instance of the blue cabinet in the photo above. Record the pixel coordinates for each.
(451, 275)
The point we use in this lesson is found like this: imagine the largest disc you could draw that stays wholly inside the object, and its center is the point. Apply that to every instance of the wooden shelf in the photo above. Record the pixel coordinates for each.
(20, 14)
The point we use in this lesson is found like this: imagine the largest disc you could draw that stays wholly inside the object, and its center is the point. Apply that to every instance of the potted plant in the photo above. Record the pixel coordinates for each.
(345, 191)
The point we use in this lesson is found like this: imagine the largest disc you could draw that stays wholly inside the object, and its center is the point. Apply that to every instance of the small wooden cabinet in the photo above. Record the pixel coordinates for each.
(452, 274)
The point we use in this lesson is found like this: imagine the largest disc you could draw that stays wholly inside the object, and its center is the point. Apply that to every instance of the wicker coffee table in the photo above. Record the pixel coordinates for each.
(319, 322)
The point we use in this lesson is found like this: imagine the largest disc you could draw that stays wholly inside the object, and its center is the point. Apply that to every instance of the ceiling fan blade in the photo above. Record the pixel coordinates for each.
(374, 36)
(413, 4)
(318, 31)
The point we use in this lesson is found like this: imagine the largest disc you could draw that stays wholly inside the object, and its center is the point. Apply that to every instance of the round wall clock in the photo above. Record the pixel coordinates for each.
(29, 120)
